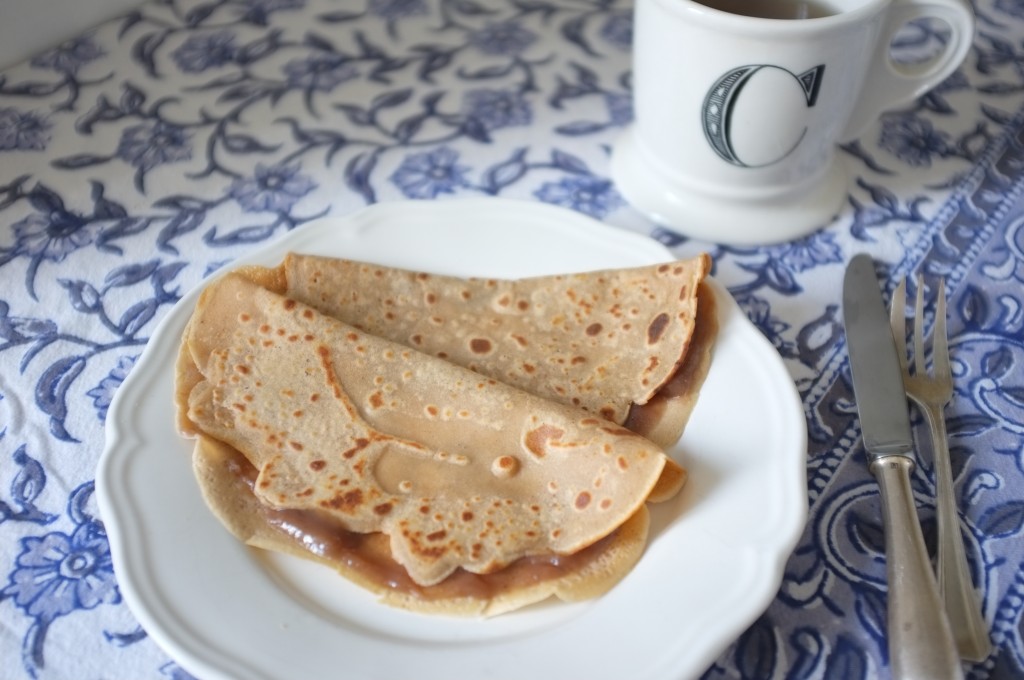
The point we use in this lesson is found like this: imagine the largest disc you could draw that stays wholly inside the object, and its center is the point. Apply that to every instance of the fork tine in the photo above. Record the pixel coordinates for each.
(898, 321)
(919, 363)
(940, 346)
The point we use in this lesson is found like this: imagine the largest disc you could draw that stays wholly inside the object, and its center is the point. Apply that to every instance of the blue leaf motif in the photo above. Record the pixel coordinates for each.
(30, 480)
(667, 237)
(104, 111)
(996, 115)
(319, 42)
(958, 458)
(369, 49)
(35, 88)
(144, 51)
(810, 646)
(847, 661)
(574, 32)
(45, 200)
(997, 363)
(136, 317)
(200, 13)
(756, 651)
(1000, 88)
(104, 208)
(408, 128)
(357, 175)
(1014, 395)
(121, 229)
(81, 160)
(125, 639)
(475, 129)
(165, 274)
(131, 99)
(339, 16)
(356, 114)
(882, 197)
(872, 611)
(238, 143)
(866, 534)
(32, 646)
(569, 163)
(83, 296)
(973, 307)
(587, 77)
(969, 425)
(504, 174)
(775, 274)
(386, 66)
(77, 502)
(486, 73)
(51, 392)
(260, 48)
(469, 8)
(131, 274)
(865, 219)
(580, 128)
(244, 90)
(434, 61)
(28, 483)
(179, 225)
(313, 137)
(250, 234)
(179, 202)
(176, 672)
(391, 99)
(1003, 521)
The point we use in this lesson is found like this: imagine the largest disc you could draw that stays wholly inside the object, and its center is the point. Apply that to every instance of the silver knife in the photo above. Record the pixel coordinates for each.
(921, 644)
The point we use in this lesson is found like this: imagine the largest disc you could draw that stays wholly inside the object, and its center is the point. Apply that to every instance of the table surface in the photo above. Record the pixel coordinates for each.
(150, 152)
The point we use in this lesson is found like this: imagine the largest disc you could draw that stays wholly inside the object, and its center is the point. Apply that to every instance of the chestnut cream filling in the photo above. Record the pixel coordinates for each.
(369, 554)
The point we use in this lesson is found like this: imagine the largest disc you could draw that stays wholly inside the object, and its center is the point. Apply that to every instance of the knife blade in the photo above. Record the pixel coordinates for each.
(877, 374)
(921, 643)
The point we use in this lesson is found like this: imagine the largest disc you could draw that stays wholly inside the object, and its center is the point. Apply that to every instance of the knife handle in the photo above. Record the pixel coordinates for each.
(921, 643)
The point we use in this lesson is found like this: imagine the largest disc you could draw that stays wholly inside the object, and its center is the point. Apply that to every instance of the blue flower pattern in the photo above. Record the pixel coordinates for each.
(145, 155)
(23, 130)
(276, 188)
(206, 51)
(430, 174)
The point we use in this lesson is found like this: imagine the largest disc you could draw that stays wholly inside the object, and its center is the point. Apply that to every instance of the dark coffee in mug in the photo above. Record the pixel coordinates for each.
(772, 9)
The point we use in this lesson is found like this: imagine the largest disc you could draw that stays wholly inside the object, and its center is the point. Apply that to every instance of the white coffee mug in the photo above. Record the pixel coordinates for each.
(738, 118)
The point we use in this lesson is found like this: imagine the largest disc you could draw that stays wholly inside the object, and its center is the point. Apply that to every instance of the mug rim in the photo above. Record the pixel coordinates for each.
(693, 8)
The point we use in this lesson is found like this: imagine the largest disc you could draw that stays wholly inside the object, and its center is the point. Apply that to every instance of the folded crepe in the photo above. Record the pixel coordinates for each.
(631, 345)
(411, 475)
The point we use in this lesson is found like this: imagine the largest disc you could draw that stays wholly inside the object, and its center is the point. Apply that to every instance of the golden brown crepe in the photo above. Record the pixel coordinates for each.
(454, 472)
(611, 342)
(566, 338)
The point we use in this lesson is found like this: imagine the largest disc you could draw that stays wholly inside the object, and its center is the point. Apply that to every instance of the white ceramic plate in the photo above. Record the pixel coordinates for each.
(713, 564)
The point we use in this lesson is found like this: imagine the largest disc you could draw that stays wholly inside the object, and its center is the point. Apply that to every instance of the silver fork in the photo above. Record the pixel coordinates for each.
(931, 393)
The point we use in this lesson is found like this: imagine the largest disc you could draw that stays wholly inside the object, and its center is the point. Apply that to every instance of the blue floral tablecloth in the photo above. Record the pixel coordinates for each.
(143, 155)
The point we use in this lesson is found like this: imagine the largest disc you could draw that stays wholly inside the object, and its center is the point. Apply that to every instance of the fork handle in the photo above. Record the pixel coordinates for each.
(954, 575)
(920, 642)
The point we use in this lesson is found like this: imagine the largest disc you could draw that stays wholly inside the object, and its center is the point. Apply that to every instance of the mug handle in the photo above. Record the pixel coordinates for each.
(889, 84)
